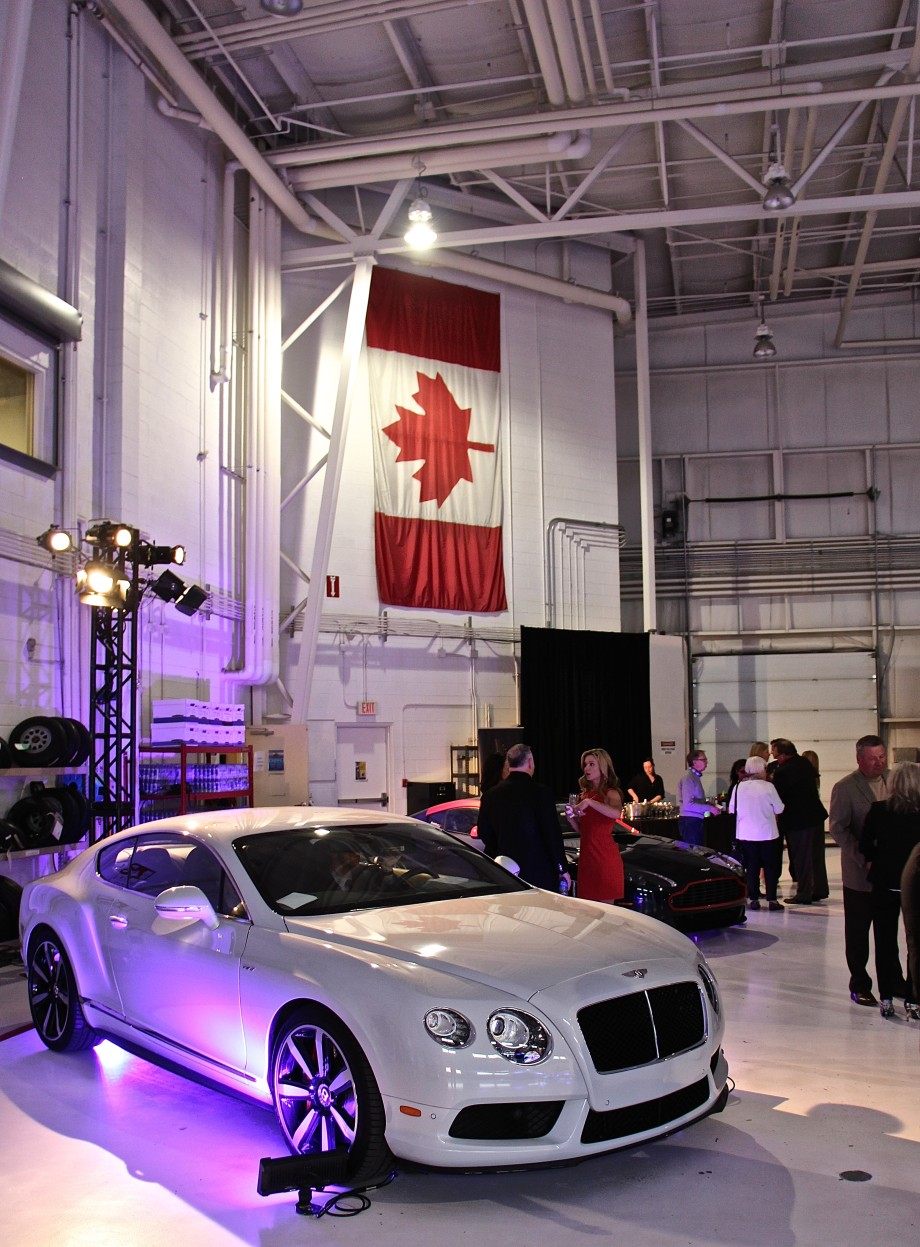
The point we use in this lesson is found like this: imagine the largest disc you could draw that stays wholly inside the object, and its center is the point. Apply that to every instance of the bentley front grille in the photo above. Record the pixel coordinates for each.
(643, 1027)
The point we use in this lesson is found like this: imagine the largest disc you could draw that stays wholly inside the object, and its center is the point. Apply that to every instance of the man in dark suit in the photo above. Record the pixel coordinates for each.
(518, 818)
(850, 801)
(803, 816)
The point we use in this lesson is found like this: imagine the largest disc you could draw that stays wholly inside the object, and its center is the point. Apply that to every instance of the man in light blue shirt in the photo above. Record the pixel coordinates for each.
(694, 804)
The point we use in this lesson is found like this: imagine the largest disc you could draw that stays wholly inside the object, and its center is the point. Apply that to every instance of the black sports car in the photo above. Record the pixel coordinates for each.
(686, 886)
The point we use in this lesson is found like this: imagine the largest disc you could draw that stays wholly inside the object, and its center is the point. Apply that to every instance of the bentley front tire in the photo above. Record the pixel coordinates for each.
(326, 1096)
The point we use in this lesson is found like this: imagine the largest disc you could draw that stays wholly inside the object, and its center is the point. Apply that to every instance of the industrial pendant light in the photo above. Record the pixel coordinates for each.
(420, 233)
(764, 346)
(282, 8)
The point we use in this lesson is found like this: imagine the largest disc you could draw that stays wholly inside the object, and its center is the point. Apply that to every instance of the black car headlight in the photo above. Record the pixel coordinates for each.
(449, 1028)
(519, 1037)
(710, 986)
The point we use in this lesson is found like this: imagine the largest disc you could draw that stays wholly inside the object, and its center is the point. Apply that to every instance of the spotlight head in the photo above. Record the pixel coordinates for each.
(294, 1173)
(149, 554)
(55, 540)
(191, 600)
(99, 577)
(115, 536)
(97, 586)
(168, 586)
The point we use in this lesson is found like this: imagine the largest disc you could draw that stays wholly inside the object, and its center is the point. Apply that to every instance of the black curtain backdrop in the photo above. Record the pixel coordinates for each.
(584, 690)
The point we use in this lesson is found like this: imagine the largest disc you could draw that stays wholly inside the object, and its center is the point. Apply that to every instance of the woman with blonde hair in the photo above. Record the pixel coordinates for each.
(760, 749)
(600, 867)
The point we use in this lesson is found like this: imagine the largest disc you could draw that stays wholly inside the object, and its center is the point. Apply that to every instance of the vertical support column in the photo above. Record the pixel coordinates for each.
(646, 510)
(338, 422)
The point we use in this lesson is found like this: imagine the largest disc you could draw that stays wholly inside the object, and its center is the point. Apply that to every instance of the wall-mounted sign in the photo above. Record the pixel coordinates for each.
(367, 707)
(332, 586)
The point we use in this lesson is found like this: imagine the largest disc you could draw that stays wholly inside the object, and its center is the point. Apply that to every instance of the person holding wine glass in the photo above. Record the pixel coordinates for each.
(600, 867)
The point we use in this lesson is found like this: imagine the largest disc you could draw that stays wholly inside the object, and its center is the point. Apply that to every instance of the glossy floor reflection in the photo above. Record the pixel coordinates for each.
(105, 1149)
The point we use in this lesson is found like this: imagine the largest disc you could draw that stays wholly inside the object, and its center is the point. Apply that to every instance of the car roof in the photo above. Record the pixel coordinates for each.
(228, 825)
(462, 803)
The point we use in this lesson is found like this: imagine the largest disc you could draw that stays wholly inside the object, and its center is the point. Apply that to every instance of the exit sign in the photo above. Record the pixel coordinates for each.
(367, 707)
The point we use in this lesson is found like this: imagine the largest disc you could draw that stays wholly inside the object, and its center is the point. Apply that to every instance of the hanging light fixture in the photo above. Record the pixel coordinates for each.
(420, 233)
(282, 8)
(764, 346)
(778, 194)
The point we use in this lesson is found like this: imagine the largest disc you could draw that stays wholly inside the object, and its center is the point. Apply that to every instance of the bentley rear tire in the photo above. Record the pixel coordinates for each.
(54, 1001)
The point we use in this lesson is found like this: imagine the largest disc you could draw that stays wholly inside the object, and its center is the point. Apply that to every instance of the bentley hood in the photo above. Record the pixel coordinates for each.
(524, 942)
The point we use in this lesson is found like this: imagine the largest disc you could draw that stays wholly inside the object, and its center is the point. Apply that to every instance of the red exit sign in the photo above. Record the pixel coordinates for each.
(367, 707)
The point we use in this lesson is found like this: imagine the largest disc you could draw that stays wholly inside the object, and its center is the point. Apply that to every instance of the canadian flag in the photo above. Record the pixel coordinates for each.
(433, 363)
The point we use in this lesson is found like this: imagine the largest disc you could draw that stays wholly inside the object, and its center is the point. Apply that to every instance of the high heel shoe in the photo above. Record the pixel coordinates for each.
(912, 1010)
(886, 1007)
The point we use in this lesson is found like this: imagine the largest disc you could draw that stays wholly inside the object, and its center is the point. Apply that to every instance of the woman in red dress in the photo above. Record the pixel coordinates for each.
(600, 867)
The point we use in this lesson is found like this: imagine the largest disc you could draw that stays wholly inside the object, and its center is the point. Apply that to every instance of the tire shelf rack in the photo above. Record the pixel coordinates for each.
(183, 798)
(23, 865)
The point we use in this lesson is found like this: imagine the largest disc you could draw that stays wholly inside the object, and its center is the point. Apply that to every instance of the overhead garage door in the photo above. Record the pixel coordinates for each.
(823, 702)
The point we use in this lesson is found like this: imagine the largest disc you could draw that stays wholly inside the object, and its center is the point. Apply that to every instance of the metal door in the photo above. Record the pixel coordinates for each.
(362, 766)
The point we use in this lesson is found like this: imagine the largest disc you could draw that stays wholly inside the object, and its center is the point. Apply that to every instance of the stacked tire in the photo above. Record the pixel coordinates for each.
(42, 740)
(48, 817)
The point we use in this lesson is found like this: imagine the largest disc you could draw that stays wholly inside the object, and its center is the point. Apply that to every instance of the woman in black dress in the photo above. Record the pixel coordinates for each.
(889, 835)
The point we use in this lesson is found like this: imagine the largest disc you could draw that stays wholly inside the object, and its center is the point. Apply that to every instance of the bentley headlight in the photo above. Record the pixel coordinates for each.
(448, 1028)
(519, 1037)
(710, 986)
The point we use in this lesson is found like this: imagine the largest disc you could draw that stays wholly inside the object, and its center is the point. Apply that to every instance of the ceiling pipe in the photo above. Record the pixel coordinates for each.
(537, 282)
(598, 117)
(151, 34)
(362, 170)
(881, 178)
(545, 50)
(560, 18)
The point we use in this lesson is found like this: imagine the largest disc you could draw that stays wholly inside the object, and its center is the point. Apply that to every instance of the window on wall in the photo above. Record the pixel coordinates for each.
(17, 406)
(28, 366)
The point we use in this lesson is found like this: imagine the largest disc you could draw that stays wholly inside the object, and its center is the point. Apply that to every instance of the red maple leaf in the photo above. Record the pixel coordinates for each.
(439, 434)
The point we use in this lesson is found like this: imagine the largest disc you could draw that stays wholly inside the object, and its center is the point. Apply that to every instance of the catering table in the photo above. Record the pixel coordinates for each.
(659, 818)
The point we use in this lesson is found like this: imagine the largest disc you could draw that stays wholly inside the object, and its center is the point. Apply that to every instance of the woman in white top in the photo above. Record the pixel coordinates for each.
(755, 804)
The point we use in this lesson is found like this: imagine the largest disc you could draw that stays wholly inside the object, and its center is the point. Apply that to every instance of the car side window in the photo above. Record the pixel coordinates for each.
(461, 820)
(114, 862)
(202, 870)
(158, 863)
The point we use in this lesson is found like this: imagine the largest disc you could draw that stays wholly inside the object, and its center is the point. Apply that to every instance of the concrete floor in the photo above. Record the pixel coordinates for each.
(104, 1149)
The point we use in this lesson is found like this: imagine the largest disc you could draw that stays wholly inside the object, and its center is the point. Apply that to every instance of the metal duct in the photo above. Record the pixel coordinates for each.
(510, 276)
(29, 301)
(152, 35)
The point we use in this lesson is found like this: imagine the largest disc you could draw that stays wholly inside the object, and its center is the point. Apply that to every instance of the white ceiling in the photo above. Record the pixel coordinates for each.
(602, 120)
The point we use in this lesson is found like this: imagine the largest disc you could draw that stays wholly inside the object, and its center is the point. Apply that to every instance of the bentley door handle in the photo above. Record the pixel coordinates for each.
(118, 920)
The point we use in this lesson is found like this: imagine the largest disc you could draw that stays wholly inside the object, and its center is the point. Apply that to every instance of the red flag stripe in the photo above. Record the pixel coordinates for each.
(426, 563)
(434, 319)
